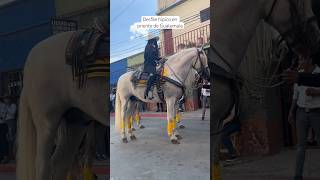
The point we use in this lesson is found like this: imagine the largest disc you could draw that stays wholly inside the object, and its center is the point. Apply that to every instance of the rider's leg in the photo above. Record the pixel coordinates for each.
(149, 85)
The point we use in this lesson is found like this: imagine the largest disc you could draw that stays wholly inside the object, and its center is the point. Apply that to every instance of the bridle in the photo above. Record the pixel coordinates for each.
(293, 37)
(202, 71)
(301, 31)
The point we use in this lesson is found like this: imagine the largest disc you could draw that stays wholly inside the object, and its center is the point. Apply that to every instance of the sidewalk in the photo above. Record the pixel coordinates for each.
(100, 168)
(272, 167)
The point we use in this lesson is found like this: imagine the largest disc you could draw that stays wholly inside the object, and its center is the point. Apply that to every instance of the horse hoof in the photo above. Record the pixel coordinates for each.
(125, 140)
(142, 127)
(133, 137)
(178, 136)
(175, 141)
(182, 127)
(133, 129)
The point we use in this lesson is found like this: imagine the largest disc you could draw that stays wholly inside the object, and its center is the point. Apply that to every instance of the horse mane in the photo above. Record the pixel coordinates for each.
(183, 51)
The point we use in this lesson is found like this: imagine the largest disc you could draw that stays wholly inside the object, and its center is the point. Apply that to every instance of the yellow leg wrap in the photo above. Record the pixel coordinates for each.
(122, 126)
(171, 126)
(216, 172)
(178, 117)
(87, 173)
(69, 176)
(138, 118)
(130, 122)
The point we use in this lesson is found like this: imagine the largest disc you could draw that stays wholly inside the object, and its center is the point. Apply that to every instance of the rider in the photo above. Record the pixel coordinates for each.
(151, 56)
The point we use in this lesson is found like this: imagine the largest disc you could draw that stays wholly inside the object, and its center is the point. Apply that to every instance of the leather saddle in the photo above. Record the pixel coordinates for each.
(87, 53)
(87, 46)
(140, 78)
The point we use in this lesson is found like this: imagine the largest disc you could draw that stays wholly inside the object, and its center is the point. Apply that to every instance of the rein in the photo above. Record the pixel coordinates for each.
(193, 67)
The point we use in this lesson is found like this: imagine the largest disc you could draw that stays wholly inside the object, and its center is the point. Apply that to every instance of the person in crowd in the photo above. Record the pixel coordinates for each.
(113, 99)
(4, 143)
(151, 57)
(231, 125)
(205, 95)
(10, 118)
(181, 103)
(304, 112)
(159, 107)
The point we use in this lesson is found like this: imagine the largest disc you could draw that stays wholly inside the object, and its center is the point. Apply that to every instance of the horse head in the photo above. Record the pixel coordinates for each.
(296, 22)
(201, 64)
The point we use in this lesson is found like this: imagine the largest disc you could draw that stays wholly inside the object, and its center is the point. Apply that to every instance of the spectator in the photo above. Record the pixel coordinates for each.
(113, 99)
(231, 125)
(205, 95)
(304, 113)
(181, 103)
(4, 144)
(159, 106)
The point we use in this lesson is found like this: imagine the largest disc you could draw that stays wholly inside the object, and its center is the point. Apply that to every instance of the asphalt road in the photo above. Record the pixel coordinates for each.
(153, 157)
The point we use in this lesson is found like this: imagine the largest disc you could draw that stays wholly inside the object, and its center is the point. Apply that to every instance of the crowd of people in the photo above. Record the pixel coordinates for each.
(8, 124)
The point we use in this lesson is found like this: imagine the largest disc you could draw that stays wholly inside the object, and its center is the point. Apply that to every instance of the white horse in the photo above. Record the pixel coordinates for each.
(49, 92)
(176, 70)
(233, 24)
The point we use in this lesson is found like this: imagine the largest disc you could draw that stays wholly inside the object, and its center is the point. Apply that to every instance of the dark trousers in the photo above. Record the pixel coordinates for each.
(160, 107)
(305, 120)
(229, 129)
(4, 144)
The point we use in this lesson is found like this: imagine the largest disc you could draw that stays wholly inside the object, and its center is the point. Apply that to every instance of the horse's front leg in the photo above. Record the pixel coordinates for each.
(222, 103)
(171, 115)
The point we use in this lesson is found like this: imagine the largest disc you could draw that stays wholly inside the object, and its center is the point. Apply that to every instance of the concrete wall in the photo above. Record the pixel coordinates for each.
(136, 60)
(261, 108)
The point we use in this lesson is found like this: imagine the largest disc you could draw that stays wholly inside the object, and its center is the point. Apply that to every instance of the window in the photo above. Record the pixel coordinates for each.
(205, 15)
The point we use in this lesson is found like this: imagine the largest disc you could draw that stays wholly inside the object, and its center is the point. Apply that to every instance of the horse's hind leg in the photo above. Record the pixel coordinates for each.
(66, 150)
(131, 107)
(45, 144)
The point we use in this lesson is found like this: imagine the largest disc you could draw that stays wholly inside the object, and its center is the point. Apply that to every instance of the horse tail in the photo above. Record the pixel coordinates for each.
(26, 139)
(118, 110)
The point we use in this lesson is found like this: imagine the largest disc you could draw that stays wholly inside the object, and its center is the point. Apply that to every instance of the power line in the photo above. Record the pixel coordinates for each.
(123, 10)
(189, 19)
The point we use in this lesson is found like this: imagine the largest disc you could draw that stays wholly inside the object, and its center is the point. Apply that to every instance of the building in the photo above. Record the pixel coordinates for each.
(195, 14)
(23, 25)
(196, 20)
(83, 12)
(116, 70)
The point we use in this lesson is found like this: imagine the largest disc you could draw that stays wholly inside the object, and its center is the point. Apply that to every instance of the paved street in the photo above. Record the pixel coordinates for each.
(273, 167)
(153, 157)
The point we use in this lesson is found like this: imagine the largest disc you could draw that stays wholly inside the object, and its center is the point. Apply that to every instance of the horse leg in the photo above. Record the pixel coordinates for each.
(130, 112)
(178, 121)
(171, 126)
(123, 117)
(67, 148)
(222, 102)
(45, 144)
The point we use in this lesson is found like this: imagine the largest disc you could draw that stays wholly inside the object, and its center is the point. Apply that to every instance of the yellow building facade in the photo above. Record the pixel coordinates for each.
(195, 14)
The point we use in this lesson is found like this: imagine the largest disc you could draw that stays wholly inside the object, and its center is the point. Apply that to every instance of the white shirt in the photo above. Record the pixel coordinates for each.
(205, 90)
(10, 112)
(304, 101)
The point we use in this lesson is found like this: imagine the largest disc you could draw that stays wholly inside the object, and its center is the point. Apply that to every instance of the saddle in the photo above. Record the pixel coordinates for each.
(87, 52)
(140, 79)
